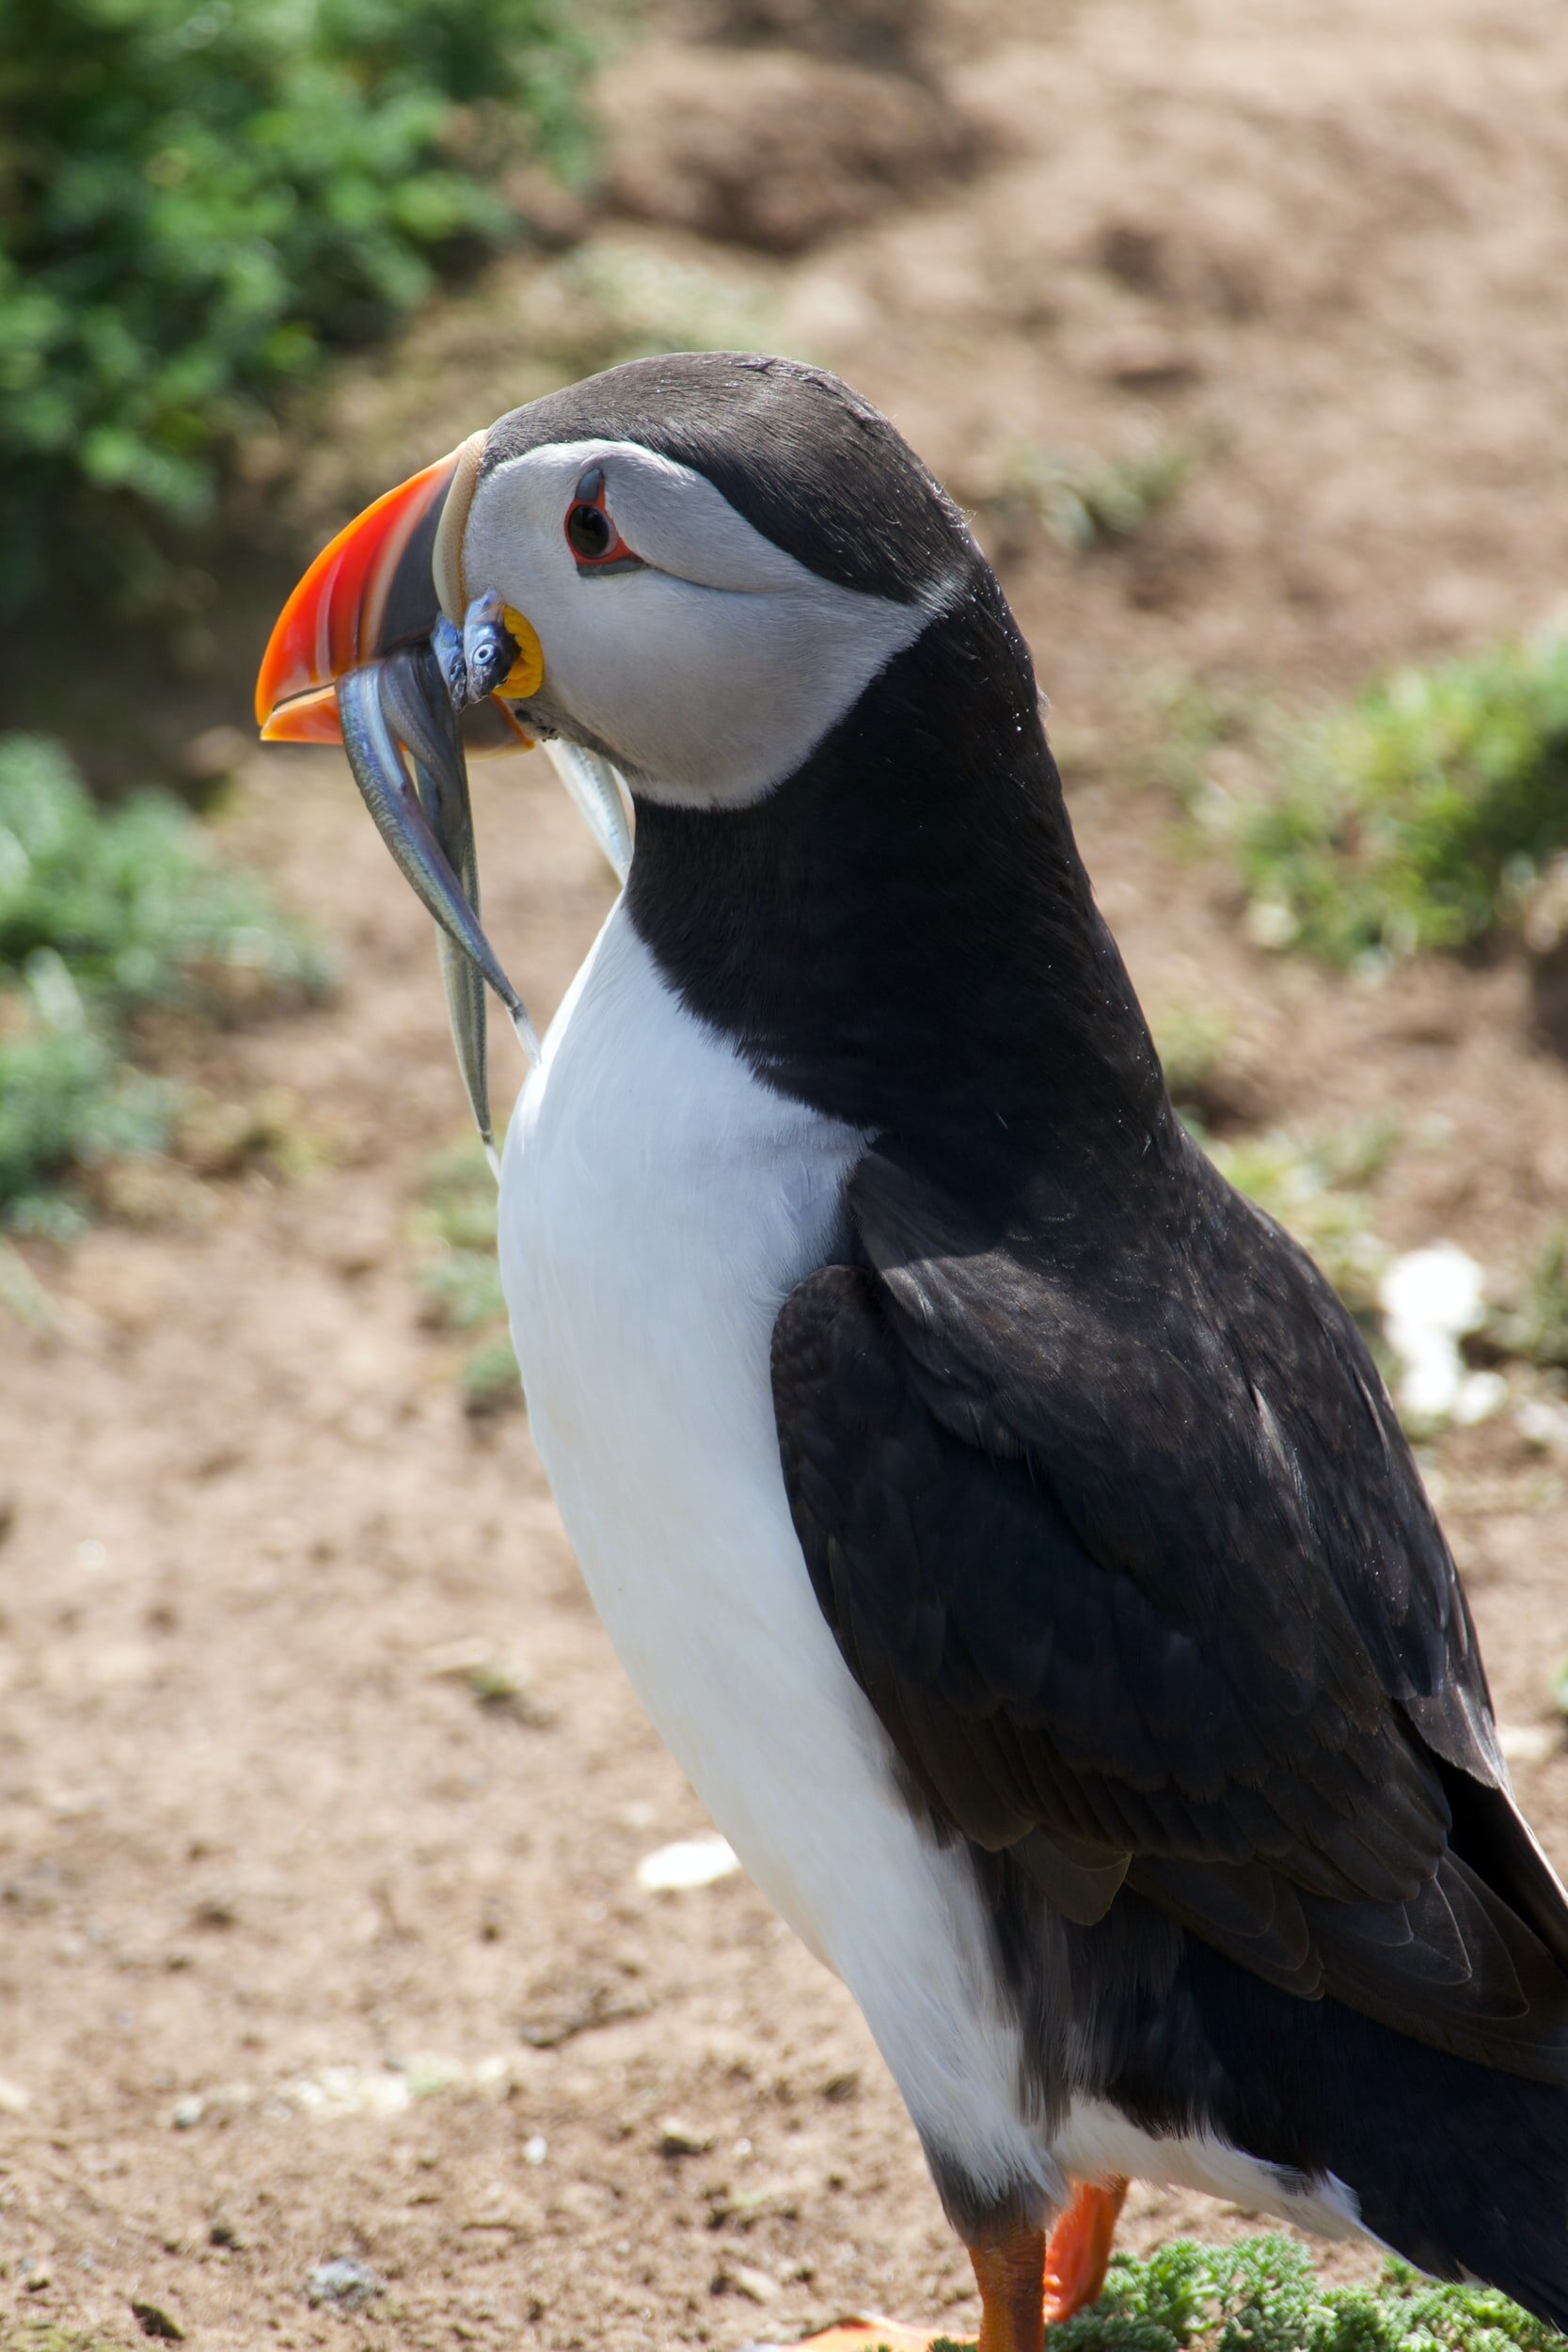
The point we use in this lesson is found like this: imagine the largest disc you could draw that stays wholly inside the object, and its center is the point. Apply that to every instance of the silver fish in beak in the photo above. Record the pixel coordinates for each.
(600, 796)
(365, 653)
(405, 700)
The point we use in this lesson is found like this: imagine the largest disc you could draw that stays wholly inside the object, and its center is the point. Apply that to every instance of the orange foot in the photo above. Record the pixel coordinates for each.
(1013, 2290)
(1079, 2250)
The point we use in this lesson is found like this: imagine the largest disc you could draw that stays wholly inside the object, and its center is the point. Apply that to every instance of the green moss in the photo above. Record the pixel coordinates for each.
(1416, 816)
(1262, 2295)
(106, 916)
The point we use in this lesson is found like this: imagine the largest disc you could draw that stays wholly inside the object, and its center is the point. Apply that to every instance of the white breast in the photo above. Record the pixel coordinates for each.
(657, 1204)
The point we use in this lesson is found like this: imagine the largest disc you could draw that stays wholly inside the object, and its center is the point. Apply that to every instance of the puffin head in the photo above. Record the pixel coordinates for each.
(726, 587)
(701, 559)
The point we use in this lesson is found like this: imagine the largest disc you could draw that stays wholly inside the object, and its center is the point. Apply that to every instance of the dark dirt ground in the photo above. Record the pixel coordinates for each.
(267, 1867)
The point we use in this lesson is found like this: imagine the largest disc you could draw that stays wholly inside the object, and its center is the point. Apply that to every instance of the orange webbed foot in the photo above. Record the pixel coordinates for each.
(1079, 2250)
(1027, 2284)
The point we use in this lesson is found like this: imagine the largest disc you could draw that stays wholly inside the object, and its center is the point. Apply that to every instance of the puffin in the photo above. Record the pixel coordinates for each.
(1000, 1519)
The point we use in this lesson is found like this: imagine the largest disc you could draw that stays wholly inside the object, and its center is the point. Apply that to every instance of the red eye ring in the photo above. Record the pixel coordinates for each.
(597, 545)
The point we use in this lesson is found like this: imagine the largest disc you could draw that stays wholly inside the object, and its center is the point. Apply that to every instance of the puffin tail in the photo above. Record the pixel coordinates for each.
(1465, 2173)
(1458, 2167)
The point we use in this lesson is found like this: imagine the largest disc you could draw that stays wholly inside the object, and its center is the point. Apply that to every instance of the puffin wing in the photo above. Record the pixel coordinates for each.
(1134, 1566)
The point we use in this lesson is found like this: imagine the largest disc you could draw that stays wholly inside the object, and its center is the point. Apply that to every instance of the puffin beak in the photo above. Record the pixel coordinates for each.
(352, 661)
(373, 585)
(384, 581)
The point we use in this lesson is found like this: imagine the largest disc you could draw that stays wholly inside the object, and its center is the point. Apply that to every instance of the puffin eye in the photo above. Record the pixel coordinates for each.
(593, 538)
(588, 532)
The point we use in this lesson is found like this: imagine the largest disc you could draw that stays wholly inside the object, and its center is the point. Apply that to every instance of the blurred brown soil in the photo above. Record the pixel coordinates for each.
(256, 1825)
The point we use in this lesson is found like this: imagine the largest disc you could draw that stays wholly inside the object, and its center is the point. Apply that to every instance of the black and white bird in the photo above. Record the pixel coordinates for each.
(1000, 1520)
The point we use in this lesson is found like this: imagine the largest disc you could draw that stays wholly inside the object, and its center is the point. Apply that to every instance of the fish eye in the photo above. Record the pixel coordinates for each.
(589, 532)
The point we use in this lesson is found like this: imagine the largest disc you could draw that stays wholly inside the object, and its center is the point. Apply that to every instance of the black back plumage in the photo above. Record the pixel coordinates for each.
(1100, 1491)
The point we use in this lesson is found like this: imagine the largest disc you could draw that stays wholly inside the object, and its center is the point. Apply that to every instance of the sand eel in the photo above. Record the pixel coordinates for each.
(1000, 1520)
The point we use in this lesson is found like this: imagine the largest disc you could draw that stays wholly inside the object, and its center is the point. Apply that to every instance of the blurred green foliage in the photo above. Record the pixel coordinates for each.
(196, 200)
(1417, 815)
(461, 1278)
(1262, 2295)
(1183, 728)
(1191, 1040)
(1085, 501)
(105, 914)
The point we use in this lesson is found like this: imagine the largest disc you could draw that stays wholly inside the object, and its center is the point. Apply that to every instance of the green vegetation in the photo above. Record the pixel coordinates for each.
(1262, 2295)
(196, 201)
(1417, 815)
(461, 1278)
(1086, 501)
(1183, 729)
(105, 917)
